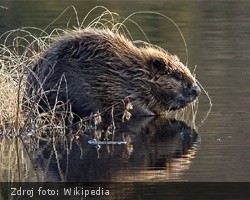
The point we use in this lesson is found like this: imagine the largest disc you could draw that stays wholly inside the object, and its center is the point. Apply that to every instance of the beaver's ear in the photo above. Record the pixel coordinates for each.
(157, 64)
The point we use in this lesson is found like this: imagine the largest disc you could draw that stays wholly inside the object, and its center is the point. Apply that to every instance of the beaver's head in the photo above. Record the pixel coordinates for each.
(171, 83)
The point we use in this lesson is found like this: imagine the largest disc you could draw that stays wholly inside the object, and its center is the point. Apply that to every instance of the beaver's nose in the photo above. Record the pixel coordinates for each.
(195, 89)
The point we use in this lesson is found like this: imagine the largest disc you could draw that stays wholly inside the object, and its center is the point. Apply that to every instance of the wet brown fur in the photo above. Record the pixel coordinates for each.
(96, 69)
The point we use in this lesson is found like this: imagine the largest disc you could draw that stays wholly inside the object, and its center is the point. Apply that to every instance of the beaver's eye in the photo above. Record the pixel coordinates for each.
(177, 75)
(158, 64)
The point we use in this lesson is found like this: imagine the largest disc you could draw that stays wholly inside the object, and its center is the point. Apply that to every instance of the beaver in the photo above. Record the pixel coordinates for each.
(94, 70)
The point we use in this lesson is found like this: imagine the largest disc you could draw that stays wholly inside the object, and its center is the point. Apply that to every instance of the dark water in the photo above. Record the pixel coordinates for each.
(217, 35)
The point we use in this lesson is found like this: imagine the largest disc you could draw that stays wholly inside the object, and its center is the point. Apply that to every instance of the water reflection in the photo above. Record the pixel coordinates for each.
(144, 149)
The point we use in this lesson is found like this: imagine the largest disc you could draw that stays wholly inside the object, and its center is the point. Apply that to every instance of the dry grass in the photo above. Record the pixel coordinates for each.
(16, 56)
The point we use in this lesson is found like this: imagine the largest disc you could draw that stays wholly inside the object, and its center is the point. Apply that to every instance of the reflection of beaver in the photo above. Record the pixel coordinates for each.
(151, 152)
(95, 69)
